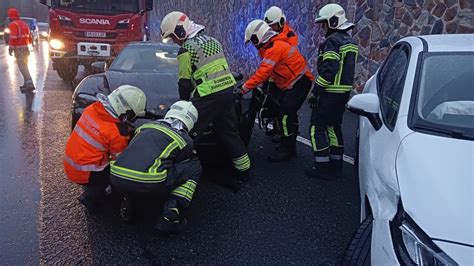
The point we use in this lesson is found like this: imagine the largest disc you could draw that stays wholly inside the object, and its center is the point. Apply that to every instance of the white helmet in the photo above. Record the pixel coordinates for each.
(275, 15)
(128, 98)
(175, 23)
(185, 112)
(335, 16)
(258, 32)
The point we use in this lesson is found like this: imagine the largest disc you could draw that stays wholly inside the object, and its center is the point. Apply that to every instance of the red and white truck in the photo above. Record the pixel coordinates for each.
(85, 31)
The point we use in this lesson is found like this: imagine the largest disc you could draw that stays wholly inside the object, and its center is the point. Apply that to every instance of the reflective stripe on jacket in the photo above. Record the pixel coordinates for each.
(282, 62)
(152, 153)
(202, 60)
(94, 141)
(20, 35)
(336, 63)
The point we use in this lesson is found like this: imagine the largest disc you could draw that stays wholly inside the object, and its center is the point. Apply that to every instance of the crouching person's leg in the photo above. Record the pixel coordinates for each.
(94, 193)
(182, 178)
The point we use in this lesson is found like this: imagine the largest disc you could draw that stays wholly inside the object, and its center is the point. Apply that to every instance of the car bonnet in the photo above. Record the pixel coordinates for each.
(435, 176)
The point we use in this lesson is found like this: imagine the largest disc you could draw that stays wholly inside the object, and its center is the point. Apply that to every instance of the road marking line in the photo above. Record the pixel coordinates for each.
(346, 158)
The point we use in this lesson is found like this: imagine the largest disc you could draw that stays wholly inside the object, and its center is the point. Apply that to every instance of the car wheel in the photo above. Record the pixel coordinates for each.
(358, 250)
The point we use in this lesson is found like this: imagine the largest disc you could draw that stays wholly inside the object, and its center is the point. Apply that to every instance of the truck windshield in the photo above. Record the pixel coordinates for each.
(98, 5)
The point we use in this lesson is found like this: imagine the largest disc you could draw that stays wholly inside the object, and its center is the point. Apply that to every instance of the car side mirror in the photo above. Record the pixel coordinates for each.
(367, 105)
(99, 67)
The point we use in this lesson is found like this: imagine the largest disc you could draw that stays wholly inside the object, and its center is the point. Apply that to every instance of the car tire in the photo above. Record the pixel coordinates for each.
(358, 250)
(68, 73)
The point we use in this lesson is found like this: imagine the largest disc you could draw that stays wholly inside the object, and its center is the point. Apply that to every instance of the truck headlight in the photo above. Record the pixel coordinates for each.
(413, 246)
(56, 44)
(7, 31)
(44, 34)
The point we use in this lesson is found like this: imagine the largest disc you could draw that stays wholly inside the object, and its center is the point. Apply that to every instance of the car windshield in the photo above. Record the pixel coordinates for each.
(29, 22)
(147, 58)
(98, 5)
(43, 27)
(446, 93)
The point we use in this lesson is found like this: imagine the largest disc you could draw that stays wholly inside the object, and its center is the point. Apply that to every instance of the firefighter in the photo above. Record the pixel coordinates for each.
(101, 133)
(159, 161)
(205, 78)
(275, 18)
(287, 67)
(20, 38)
(336, 67)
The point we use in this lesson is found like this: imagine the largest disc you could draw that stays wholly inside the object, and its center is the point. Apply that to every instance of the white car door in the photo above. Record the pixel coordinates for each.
(378, 148)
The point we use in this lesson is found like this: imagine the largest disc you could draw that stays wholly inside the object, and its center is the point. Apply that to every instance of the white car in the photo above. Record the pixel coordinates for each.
(416, 156)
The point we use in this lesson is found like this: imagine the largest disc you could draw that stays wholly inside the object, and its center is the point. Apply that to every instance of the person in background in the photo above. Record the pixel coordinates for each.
(20, 38)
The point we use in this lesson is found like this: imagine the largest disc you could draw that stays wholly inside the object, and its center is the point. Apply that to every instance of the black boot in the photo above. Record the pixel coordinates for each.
(336, 167)
(171, 222)
(319, 170)
(93, 205)
(242, 176)
(126, 210)
(285, 151)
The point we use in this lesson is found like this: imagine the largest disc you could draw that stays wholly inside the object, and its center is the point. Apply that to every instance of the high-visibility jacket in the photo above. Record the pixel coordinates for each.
(95, 140)
(152, 153)
(20, 34)
(289, 35)
(282, 62)
(203, 67)
(336, 63)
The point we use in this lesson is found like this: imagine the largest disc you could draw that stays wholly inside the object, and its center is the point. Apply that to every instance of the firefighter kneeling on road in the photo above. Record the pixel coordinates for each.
(159, 161)
(336, 67)
(289, 70)
(99, 136)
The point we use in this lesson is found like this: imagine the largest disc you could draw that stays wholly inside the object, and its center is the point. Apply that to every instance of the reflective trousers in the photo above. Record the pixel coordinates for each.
(326, 131)
(292, 101)
(219, 109)
(180, 184)
(21, 55)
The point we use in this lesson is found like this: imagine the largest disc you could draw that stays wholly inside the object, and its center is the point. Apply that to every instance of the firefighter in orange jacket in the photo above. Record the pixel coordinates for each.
(275, 18)
(20, 38)
(287, 67)
(99, 136)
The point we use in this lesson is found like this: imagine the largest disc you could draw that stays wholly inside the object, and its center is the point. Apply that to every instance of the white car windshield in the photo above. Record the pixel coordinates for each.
(147, 58)
(446, 92)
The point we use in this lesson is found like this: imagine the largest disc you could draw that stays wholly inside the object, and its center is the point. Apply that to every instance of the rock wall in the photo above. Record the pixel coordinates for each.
(380, 23)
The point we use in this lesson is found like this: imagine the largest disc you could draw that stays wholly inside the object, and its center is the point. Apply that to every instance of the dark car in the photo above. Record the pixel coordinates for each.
(32, 23)
(152, 67)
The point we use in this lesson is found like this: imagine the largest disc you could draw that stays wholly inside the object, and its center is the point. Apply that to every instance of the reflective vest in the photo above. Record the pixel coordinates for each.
(282, 62)
(202, 60)
(95, 140)
(154, 149)
(20, 35)
(336, 63)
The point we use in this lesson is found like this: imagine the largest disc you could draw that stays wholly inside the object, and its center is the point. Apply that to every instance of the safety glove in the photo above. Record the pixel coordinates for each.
(313, 101)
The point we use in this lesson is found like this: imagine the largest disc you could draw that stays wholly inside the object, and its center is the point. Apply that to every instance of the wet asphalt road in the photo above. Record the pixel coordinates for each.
(279, 217)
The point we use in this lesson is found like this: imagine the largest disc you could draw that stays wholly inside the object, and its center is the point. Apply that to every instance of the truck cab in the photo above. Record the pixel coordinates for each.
(85, 31)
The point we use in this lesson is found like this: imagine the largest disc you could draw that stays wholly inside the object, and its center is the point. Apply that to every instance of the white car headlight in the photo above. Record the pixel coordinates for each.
(56, 44)
(7, 31)
(413, 246)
